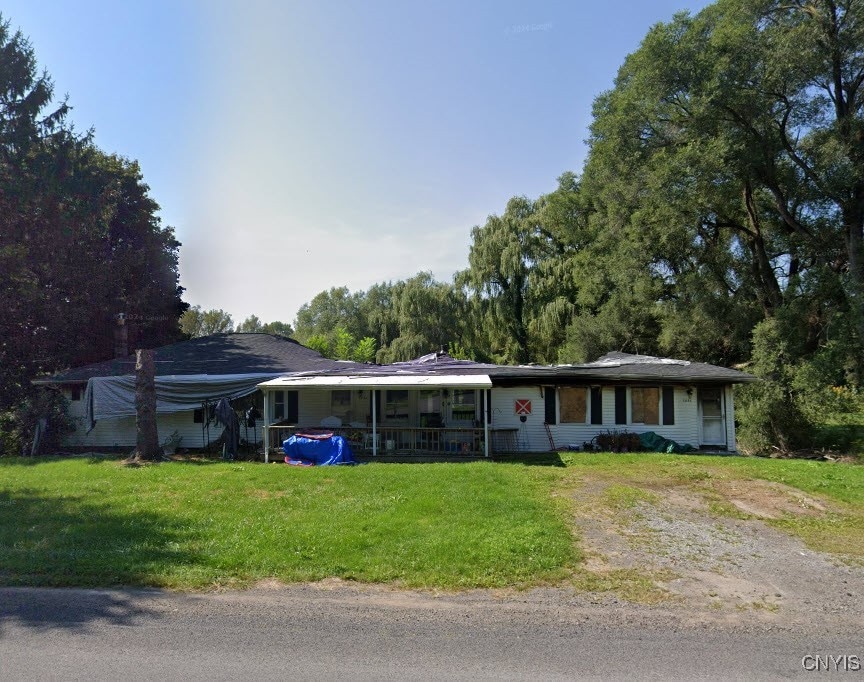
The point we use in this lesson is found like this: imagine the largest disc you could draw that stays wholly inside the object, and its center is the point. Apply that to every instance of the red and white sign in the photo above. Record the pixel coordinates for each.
(522, 407)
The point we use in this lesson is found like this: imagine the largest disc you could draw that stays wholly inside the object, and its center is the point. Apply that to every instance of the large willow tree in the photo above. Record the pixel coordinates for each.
(730, 156)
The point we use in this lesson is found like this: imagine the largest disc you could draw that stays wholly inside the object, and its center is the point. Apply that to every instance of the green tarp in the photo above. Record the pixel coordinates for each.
(654, 442)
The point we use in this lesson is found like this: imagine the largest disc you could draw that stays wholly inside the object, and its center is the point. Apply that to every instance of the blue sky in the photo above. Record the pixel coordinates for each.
(298, 146)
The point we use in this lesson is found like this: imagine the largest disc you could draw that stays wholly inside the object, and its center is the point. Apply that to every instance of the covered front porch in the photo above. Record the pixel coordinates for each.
(438, 416)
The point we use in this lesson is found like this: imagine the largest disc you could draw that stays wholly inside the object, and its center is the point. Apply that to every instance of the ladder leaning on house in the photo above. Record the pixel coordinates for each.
(552, 440)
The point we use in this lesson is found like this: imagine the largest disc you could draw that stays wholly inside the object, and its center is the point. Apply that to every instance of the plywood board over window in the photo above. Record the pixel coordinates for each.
(573, 405)
(645, 405)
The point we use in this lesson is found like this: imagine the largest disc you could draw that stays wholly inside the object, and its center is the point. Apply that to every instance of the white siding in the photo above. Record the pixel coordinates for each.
(120, 432)
(314, 405)
(532, 435)
(107, 432)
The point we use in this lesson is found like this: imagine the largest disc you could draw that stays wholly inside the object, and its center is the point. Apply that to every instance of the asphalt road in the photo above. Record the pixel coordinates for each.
(316, 632)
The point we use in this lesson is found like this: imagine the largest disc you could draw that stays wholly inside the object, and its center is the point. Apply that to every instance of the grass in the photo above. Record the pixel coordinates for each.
(445, 526)
(186, 526)
(842, 432)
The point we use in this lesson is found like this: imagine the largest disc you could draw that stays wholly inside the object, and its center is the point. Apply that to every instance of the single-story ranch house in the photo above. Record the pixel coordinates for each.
(434, 405)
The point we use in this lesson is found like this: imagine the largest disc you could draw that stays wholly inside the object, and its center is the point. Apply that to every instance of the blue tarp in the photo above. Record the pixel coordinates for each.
(320, 451)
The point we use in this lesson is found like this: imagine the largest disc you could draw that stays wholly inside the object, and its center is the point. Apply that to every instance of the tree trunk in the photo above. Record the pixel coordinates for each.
(145, 406)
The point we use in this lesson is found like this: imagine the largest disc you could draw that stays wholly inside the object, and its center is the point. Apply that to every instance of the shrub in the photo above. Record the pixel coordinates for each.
(770, 419)
(18, 427)
(618, 441)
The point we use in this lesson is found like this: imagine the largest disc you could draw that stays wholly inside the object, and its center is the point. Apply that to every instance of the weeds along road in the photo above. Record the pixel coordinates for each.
(329, 631)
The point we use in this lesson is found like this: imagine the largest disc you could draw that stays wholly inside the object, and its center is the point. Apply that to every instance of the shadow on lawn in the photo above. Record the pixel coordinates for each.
(74, 541)
(545, 459)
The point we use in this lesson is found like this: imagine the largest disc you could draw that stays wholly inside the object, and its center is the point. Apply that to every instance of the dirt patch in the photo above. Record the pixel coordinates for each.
(706, 560)
(269, 584)
(262, 494)
(769, 500)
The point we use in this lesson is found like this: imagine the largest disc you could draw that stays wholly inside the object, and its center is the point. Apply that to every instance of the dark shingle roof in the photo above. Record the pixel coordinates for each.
(267, 353)
(216, 354)
(614, 366)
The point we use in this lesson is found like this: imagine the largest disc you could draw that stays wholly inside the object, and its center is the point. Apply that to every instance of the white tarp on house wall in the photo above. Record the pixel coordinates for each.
(112, 397)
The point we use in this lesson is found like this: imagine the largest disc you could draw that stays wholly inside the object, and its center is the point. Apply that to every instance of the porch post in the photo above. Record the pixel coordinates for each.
(486, 398)
(265, 429)
(374, 426)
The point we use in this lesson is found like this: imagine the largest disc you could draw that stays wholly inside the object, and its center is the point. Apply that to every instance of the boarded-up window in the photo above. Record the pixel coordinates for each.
(645, 405)
(573, 402)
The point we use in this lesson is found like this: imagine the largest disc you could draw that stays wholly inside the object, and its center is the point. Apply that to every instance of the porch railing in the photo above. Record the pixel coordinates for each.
(402, 440)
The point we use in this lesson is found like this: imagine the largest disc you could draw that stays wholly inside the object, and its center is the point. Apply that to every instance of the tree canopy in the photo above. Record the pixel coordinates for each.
(719, 217)
(719, 212)
(80, 238)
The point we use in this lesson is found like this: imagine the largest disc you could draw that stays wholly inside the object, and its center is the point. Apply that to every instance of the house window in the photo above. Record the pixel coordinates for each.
(76, 393)
(464, 405)
(574, 405)
(396, 407)
(429, 407)
(340, 405)
(279, 405)
(645, 405)
(198, 416)
(286, 406)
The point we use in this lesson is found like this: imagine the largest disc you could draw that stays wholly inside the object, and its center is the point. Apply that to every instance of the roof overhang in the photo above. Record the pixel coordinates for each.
(380, 382)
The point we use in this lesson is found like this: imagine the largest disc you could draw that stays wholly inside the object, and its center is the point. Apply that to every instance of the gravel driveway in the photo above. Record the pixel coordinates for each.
(710, 562)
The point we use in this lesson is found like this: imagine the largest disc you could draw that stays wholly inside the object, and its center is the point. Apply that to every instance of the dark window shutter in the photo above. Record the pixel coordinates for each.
(596, 405)
(488, 406)
(549, 400)
(620, 404)
(668, 405)
(292, 407)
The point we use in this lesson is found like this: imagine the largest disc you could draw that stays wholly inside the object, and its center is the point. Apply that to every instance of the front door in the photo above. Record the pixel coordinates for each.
(713, 416)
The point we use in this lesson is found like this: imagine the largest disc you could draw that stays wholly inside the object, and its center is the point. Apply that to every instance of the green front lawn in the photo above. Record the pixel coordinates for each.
(484, 524)
(184, 525)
